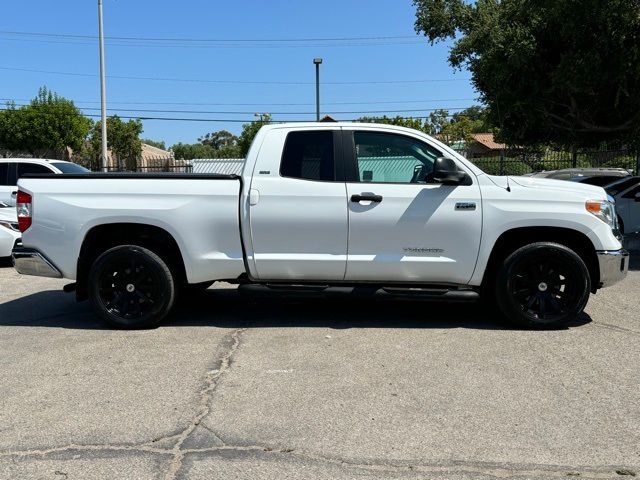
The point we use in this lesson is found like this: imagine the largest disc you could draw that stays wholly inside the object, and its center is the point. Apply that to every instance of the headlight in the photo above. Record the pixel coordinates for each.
(10, 225)
(605, 210)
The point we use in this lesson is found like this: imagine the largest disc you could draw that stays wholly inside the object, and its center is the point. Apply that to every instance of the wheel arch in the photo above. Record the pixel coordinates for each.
(511, 240)
(101, 238)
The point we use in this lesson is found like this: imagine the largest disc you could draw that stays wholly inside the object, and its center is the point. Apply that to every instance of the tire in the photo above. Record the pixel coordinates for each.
(130, 287)
(542, 285)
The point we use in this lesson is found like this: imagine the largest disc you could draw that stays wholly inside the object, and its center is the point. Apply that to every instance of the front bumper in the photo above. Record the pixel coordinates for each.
(28, 261)
(614, 265)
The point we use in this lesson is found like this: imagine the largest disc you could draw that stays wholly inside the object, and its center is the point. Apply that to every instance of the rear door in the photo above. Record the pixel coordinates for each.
(403, 227)
(298, 206)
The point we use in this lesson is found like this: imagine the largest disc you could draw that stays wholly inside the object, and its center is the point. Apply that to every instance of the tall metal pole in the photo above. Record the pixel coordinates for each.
(317, 62)
(103, 90)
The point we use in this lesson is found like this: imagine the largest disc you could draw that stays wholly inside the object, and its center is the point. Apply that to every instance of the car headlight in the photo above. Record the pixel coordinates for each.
(10, 225)
(605, 210)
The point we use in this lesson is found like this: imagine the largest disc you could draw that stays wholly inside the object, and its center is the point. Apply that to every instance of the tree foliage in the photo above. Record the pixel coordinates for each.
(555, 71)
(449, 128)
(155, 143)
(249, 131)
(47, 126)
(189, 151)
(123, 140)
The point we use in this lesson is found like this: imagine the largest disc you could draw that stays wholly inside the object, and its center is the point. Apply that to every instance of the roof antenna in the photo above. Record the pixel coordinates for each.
(508, 186)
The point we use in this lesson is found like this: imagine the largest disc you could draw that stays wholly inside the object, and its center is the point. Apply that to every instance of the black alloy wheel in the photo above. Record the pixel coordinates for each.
(131, 287)
(543, 285)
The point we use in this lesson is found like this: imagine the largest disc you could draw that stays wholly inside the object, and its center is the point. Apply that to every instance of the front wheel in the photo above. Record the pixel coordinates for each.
(543, 285)
(131, 287)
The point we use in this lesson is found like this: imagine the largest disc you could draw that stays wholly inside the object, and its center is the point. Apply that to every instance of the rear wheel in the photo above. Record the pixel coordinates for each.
(542, 285)
(131, 287)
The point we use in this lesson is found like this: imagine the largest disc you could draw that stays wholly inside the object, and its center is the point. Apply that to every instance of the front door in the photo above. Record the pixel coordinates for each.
(403, 227)
(298, 207)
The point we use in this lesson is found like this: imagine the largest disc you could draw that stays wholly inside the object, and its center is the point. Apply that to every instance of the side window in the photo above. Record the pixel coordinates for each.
(24, 168)
(632, 193)
(391, 158)
(309, 156)
(4, 170)
(11, 174)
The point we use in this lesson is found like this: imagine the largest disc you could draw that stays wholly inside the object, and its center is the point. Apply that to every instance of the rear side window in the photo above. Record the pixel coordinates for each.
(4, 170)
(24, 168)
(65, 167)
(309, 156)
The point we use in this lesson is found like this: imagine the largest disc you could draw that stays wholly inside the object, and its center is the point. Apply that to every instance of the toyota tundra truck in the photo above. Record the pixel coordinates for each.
(375, 208)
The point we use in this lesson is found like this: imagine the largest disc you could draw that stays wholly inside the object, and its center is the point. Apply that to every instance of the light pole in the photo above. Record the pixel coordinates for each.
(317, 62)
(103, 90)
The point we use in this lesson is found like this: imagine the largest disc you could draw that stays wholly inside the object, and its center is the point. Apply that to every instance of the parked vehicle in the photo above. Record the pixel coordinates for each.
(11, 169)
(9, 230)
(626, 193)
(598, 180)
(386, 209)
(573, 173)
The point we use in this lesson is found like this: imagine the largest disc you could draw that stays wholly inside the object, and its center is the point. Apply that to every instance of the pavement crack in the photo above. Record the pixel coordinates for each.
(86, 448)
(212, 379)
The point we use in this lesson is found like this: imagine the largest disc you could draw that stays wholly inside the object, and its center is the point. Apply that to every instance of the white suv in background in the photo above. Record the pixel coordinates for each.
(11, 169)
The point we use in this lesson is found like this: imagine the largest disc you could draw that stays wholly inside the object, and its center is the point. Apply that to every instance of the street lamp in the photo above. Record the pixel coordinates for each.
(317, 62)
(103, 89)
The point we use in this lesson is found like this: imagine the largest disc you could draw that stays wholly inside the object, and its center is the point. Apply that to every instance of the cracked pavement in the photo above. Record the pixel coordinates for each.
(260, 388)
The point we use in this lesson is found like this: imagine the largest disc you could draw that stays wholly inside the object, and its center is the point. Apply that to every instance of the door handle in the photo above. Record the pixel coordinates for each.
(366, 197)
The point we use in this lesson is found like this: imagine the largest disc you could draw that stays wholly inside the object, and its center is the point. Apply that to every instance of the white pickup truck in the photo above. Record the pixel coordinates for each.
(320, 206)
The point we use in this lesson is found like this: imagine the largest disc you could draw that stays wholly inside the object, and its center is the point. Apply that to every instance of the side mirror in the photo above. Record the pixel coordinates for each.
(446, 171)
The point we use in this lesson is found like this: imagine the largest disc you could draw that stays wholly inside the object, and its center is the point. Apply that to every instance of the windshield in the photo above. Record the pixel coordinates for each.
(66, 167)
(621, 185)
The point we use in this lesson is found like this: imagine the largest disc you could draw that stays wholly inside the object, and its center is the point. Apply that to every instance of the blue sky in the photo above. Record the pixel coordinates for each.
(250, 50)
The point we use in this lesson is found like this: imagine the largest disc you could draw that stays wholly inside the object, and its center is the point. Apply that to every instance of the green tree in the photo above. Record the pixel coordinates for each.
(249, 131)
(123, 140)
(154, 143)
(415, 123)
(47, 126)
(186, 151)
(556, 71)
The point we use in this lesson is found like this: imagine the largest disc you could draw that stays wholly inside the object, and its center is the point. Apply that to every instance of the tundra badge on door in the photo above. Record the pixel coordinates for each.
(466, 206)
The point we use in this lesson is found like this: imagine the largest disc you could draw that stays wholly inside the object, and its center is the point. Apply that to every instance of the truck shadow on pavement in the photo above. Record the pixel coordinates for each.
(227, 308)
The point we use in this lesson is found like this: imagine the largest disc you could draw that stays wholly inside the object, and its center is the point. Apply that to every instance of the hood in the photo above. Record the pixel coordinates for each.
(590, 191)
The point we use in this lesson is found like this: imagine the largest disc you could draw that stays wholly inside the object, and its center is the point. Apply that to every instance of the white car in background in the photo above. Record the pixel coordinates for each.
(11, 169)
(9, 231)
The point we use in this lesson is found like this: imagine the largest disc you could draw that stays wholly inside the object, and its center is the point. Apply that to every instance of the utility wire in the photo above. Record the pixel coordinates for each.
(233, 82)
(337, 112)
(384, 102)
(213, 120)
(183, 39)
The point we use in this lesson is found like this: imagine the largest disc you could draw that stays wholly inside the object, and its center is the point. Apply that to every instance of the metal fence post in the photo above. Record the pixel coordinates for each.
(501, 161)
(574, 157)
(638, 161)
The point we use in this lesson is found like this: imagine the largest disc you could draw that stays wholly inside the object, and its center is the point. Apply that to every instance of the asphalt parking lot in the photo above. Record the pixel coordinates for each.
(236, 387)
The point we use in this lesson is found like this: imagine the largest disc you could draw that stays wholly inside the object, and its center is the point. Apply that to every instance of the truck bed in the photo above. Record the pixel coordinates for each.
(201, 212)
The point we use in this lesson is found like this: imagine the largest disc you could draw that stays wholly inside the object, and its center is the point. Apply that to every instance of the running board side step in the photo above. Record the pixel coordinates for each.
(413, 293)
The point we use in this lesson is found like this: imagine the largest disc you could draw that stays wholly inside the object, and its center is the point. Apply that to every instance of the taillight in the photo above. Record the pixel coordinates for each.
(24, 208)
